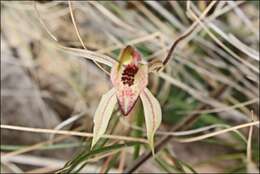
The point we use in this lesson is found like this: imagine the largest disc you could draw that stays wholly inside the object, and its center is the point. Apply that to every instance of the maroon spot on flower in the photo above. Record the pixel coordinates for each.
(128, 74)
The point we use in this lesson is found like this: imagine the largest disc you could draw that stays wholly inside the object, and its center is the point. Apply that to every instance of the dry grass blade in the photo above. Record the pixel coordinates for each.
(198, 138)
(220, 43)
(36, 146)
(251, 167)
(239, 105)
(79, 37)
(74, 133)
(184, 133)
(202, 97)
(43, 23)
(247, 50)
(14, 168)
(67, 122)
(50, 164)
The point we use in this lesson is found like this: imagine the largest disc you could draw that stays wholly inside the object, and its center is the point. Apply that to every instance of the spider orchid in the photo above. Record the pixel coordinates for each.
(129, 77)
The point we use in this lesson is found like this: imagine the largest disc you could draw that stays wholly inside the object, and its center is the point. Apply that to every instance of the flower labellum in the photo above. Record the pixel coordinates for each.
(129, 77)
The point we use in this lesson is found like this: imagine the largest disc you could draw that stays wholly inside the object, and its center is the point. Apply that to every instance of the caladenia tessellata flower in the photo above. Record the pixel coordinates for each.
(129, 77)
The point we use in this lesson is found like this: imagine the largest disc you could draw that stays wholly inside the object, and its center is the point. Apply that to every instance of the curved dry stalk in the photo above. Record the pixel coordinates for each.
(66, 122)
(43, 23)
(73, 133)
(178, 40)
(75, 25)
(79, 37)
(198, 138)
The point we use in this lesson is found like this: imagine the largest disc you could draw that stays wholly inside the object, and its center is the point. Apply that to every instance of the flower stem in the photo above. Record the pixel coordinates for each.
(139, 120)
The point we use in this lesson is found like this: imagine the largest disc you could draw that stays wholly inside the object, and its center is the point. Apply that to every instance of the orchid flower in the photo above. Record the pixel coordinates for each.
(129, 77)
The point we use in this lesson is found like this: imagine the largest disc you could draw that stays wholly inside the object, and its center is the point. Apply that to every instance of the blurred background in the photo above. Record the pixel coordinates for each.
(213, 76)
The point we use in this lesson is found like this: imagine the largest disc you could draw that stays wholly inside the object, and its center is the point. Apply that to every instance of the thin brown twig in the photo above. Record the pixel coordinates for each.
(186, 34)
(122, 161)
(105, 165)
(175, 43)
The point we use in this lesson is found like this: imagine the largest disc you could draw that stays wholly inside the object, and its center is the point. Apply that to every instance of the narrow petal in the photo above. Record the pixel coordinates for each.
(91, 55)
(152, 114)
(103, 114)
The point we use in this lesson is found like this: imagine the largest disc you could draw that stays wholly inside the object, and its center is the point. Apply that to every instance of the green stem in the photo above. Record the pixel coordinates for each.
(139, 119)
